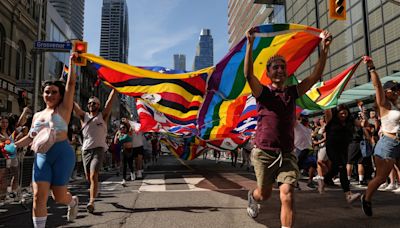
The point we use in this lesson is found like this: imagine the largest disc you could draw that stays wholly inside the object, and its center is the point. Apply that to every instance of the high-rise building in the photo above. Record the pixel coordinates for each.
(371, 28)
(114, 42)
(180, 62)
(72, 11)
(244, 14)
(204, 52)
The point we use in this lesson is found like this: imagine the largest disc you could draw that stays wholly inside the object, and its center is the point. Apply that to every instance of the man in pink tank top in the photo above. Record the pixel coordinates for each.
(273, 156)
(94, 132)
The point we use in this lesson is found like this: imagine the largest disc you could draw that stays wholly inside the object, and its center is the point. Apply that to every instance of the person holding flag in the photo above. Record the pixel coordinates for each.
(273, 156)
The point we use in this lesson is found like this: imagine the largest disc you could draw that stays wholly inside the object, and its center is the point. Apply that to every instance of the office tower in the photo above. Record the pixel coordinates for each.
(180, 62)
(114, 41)
(204, 52)
(72, 11)
(371, 28)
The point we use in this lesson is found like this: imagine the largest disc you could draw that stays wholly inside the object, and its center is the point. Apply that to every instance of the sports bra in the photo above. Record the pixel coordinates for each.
(391, 121)
(59, 124)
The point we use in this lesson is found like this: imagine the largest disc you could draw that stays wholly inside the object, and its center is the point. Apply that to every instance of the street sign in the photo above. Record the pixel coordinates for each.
(53, 46)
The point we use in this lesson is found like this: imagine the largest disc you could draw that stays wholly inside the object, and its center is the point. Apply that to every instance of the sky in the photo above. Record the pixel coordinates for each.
(158, 29)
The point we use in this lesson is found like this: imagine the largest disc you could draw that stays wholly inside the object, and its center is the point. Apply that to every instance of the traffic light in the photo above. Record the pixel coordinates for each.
(79, 47)
(337, 9)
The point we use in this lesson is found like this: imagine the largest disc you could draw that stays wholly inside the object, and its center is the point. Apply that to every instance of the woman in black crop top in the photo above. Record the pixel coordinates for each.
(339, 134)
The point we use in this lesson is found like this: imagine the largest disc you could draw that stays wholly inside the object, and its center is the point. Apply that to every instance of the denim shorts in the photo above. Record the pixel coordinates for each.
(387, 148)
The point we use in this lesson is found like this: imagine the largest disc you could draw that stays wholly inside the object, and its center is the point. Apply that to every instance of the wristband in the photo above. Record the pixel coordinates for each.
(370, 69)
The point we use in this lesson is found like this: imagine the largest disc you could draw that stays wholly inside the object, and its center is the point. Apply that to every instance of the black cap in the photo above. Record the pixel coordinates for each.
(391, 85)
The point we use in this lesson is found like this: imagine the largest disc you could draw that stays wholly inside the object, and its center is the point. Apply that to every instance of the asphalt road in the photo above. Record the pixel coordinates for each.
(203, 193)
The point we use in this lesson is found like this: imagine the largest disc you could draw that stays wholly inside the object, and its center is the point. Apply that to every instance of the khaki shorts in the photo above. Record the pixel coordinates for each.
(93, 159)
(267, 172)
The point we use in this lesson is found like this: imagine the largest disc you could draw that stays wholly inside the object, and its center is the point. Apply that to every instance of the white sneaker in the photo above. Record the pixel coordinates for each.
(397, 191)
(336, 181)
(390, 187)
(383, 186)
(352, 197)
(73, 211)
(139, 174)
(123, 182)
(133, 177)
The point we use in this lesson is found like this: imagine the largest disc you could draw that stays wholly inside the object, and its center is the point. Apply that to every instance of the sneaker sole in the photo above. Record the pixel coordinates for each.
(90, 208)
(250, 214)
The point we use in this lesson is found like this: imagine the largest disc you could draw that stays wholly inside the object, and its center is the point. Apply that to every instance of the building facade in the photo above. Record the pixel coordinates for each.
(242, 15)
(114, 41)
(18, 32)
(205, 51)
(180, 62)
(72, 11)
(371, 28)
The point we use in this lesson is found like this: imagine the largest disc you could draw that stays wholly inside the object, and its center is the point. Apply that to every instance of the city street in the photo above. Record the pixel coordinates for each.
(203, 193)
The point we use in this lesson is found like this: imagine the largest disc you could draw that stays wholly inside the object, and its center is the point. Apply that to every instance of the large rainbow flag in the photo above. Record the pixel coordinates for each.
(218, 98)
(228, 88)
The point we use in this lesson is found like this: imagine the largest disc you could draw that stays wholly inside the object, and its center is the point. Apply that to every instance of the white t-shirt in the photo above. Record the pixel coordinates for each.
(302, 137)
(95, 133)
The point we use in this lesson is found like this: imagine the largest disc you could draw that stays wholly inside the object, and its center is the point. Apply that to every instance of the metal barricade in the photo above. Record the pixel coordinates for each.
(15, 181)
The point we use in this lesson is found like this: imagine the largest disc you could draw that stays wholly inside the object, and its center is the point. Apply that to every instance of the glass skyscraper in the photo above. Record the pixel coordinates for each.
(72, 11)
(204, 52)
(114, 41)
(180, 62)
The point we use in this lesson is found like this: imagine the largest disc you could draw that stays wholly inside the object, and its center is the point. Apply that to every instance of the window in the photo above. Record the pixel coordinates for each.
(20, 69)
(2, 47)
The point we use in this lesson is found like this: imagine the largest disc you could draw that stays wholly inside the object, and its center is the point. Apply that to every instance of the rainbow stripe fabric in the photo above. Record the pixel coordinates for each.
(228, 83)
(325, 95)
(215, 103)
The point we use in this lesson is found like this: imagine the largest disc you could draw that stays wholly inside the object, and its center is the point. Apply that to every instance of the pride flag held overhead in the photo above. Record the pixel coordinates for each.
(228, 83)
(325, 95)
(214, 101)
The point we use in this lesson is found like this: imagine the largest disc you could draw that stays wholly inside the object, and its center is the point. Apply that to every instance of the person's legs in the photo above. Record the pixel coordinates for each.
(383, 168)
(125, 162)
(39, 204)
(349, 169)
(287, 201)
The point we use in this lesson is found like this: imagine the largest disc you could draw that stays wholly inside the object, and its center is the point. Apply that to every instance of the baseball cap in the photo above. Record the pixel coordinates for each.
(391, 85)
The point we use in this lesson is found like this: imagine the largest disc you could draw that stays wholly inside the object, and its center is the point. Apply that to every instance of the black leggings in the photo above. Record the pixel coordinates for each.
(338, 156)
(127, 157)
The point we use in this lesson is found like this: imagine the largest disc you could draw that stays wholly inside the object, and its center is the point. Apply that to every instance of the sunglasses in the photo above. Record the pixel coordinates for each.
(92, 103)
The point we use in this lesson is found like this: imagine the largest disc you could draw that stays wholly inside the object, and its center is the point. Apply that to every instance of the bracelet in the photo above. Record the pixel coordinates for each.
(370, 69)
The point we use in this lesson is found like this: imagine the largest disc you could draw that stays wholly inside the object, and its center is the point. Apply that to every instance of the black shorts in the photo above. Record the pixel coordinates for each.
(137, 151)
(354, 153)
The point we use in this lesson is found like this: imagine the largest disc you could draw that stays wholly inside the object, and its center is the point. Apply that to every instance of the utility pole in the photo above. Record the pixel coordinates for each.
(38, 55)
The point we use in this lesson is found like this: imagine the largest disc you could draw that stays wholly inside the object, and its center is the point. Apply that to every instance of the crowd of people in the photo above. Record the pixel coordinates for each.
(360, 145)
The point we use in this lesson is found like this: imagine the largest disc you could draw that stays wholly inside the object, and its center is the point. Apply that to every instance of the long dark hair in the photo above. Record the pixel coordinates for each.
(335, 121)
(58, 83)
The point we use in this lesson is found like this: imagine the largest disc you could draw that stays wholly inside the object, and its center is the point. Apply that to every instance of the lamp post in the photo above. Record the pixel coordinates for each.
(37, 73)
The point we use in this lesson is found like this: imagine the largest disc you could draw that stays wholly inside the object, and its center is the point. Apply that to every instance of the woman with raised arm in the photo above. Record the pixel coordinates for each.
(53, 168)
(387, 149)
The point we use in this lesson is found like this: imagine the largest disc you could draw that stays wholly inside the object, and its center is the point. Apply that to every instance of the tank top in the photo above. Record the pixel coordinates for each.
(391, 121)
(95, 133)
